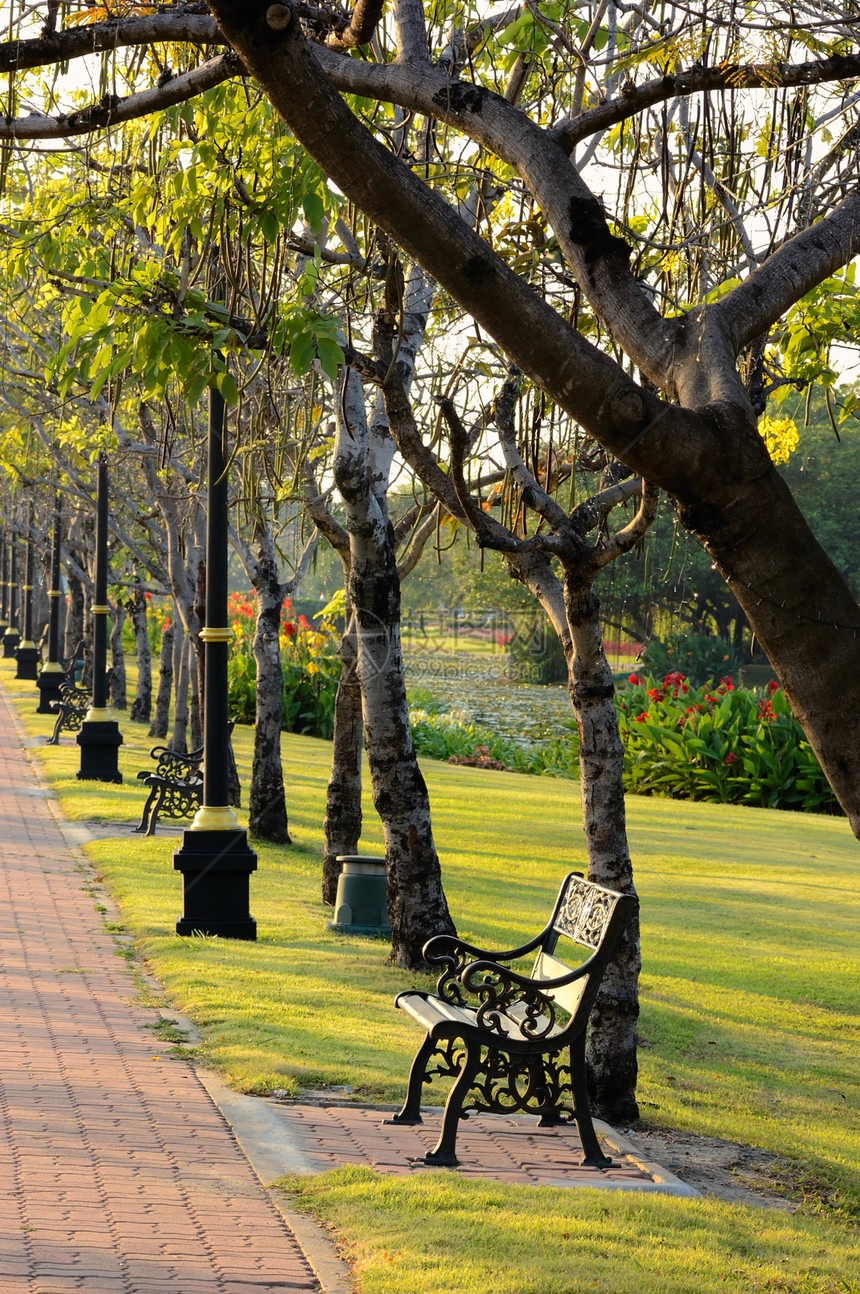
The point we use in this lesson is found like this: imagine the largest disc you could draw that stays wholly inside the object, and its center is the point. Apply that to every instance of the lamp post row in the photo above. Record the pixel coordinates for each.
(215, 859)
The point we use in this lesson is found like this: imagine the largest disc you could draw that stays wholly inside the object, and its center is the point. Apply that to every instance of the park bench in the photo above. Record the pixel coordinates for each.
(71, 710)
(515, 1043)
(175, 787)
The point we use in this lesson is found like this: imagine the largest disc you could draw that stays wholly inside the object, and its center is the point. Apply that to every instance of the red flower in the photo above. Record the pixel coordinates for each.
(655, 695)
(773, 686)
(727, 684)
(640, 718)
(732, 758)
(290, 629)
(635, 678)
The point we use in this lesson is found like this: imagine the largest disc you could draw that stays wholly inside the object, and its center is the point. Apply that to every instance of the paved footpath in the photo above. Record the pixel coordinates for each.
(118, 1174)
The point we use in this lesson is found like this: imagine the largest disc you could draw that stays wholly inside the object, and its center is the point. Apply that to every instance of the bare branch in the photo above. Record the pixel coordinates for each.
(111, 111)
(635, 99)
(117, 33)
(789, 273)
(625, 539)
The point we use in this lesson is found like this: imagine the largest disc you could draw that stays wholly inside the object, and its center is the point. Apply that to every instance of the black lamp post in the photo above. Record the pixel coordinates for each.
(4, 587)
(100, 737)
(52, 674)
(12, 637)
(215, 859)
(27, 654)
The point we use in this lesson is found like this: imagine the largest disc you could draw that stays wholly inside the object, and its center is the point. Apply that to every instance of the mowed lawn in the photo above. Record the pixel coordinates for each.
(750, 1028)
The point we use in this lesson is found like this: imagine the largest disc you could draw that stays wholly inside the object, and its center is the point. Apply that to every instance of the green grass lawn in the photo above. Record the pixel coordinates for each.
(749, 1029)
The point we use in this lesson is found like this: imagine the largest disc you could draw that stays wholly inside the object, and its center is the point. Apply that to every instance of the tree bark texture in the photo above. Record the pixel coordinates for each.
(611, 1055)
(342, 824)
(74, 627)
(118, 684)
(268, 805)
(417, 907)
(161, 718)
(179, 735)
(141, 706)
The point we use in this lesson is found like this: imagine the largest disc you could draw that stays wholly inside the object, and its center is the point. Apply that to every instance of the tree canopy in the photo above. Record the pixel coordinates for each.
(650, 209)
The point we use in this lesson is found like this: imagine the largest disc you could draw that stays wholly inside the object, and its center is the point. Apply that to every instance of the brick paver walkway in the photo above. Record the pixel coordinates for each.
(507, 1149)
(118, 1175)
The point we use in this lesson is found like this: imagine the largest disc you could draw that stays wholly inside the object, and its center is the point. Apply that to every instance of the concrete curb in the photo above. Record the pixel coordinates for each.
(663, 1182)
(260, 1133)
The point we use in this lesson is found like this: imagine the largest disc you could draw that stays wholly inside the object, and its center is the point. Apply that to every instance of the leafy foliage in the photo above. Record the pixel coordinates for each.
(309, 663)
(719, 743)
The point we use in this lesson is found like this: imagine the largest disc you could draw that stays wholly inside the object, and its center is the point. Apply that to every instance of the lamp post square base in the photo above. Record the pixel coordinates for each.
(99, 740)
(216, 867)
(48, 684)
(28, 663)
(10, 644)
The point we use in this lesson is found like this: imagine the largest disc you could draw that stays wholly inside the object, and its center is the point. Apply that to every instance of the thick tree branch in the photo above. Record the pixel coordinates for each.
(598, 258)
(634, 100)
(630, 535)
(789, 273)
(96, 38)
(111, 111)
(632, 422)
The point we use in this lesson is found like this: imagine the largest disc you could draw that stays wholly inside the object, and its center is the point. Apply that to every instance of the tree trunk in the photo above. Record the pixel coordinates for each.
(342, 825)
(141, 707)
(161, 719)
(195, 709)
(74, 628)
(118, 691)
(179, 736)
(611, 1057)
(417, 908)
(268, 805)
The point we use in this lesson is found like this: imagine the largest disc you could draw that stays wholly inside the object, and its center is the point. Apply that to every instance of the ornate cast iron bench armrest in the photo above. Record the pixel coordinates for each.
(175, 786)
(455, 955)
(71, 710)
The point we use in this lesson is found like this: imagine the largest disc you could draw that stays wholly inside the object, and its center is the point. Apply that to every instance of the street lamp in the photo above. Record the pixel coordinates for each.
(52, 674)
(27, 654)
(12, 637)
(4, 587)
(215, 859)
(100, 737)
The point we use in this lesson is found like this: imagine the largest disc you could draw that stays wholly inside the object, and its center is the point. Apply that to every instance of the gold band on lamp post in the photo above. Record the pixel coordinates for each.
(214, 818)
(52, 667)
(100, 715)
(212, 634)
(54, 593)
(100, 611)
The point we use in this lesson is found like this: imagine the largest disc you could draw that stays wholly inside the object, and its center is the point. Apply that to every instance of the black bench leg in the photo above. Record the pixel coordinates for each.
(142, 826)
(444, 1151)
(410, 1112)
(592, 1154)
(155, 810)
(54, 739)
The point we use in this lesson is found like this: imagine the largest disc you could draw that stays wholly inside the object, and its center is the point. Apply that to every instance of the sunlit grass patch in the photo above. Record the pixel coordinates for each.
(442, 1232)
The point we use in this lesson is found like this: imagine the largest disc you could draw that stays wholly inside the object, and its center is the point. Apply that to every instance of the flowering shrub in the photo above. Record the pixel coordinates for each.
(718, 743)
(309, 660)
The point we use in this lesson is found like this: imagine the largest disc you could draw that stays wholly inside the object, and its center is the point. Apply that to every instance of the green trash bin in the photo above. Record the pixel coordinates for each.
(361, 907)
